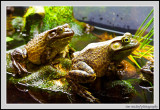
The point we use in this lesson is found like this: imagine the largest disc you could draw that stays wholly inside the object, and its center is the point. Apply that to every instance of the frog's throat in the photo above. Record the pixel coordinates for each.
(133, 47)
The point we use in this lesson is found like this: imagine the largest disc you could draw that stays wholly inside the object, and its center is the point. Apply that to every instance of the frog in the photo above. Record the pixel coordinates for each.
(97, 59)
(43, 48)
(148, 71)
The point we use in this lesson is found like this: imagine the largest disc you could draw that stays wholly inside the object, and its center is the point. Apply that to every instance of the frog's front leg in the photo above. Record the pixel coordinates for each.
(81, 72)
(17, 56)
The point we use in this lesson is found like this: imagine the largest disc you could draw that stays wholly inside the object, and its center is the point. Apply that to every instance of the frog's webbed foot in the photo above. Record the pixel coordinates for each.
(81, 91)
(82, 73)
(17, 56)
(18, 67)
(86, 94)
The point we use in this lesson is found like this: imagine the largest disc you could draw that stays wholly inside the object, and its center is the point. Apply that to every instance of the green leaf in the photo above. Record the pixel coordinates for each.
(132, 59)
(143, 23)
(8, 39)
(146, 52)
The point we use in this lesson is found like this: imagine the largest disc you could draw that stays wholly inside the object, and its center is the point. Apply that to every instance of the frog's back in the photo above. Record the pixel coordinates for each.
(36, 47)
(95, 56)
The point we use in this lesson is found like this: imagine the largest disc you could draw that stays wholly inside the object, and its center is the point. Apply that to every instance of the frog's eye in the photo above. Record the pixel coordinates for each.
(116, 45)
(60, 30)
(126, 40)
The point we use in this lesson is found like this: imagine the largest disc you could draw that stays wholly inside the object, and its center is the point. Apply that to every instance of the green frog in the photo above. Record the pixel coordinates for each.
(96, 59)
(43, 48)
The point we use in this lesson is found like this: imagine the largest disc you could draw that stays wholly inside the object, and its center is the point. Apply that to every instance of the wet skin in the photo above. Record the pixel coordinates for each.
(98, 58)
(43, 48)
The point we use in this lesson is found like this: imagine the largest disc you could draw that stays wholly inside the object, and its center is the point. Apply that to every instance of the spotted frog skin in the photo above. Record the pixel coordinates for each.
(43, 47)
(98, 58)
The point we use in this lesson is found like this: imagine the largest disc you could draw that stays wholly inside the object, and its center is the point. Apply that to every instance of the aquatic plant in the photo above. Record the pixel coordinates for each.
(145, 49)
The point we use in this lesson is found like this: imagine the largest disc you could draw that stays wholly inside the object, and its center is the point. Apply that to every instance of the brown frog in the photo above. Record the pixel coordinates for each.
(148, 71)
(43, 48)
(96, 59)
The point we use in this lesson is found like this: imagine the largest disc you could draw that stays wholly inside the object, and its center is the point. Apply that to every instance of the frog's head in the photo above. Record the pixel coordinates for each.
(60, 35)
(122, 46)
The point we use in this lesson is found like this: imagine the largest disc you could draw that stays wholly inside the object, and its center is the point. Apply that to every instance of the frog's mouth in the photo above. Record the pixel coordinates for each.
(132, 47)
(67, 32)
(120, 54)
(124, 52)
